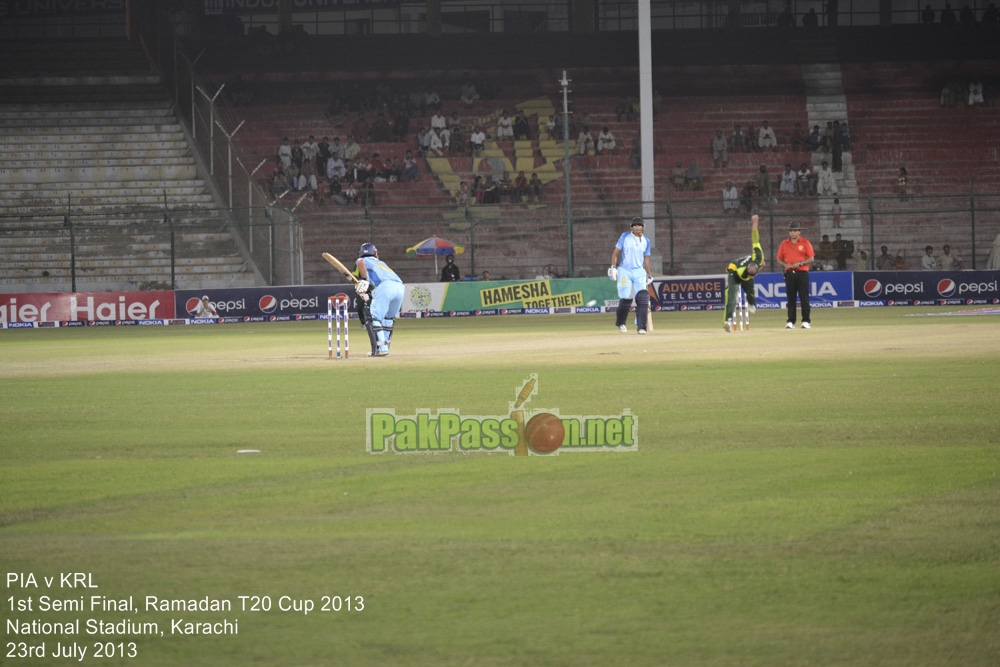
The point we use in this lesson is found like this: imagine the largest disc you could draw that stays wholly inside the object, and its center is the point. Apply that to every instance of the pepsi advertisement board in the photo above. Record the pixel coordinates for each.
(263, 304)
(926, 288)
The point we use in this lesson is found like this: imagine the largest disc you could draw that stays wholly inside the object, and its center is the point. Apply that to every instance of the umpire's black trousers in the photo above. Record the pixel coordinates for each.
(797, 283)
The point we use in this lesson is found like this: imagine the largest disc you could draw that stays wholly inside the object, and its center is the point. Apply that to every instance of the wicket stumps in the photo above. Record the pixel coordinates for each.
(336, 310)
(742, 313)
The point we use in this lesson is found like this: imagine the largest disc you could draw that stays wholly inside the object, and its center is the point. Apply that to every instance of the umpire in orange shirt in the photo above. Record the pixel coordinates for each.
(795, 254)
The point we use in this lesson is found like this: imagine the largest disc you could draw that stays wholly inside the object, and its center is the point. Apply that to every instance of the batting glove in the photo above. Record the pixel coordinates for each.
(649, 280)
(613, 273)
(362, 287)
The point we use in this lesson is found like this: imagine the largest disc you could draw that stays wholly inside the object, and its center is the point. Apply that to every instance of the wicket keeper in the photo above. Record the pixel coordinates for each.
(386, 298)
(740, 276)
(634, 276)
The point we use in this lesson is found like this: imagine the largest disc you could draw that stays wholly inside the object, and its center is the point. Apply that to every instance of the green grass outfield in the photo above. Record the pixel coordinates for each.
(823, 497)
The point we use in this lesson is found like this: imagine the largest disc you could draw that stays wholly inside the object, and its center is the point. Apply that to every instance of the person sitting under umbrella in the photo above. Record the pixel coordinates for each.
(450, 272)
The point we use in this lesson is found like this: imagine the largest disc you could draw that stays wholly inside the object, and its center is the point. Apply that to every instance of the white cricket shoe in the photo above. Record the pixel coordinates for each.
(806, 325)
(728, 326)
(623, 329)
(789, 325)
(641, 332)
(753, 309)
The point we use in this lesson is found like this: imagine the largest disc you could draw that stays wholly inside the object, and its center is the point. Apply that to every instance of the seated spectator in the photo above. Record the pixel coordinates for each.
(520, 187)
(826, 181)
(467, 91)
(975, 94)
(464, 196)
(885, 262)
(950, 94)
(505, 188)
(307, 176)
(605, 141)
(457, 143)
(279, 182)
(554, 129)
(432, 100)
(751, 139)
(948, 15)
(949, 261)
(445, 136)
(535, 187)
(585, 141)
(522, 129)
(720, 154)
(435, 146)
(737, 140)
(799, 139)
(677, 177)
(337, 191)
(825, 251)
(360, 127)
(351, 149)
(902, 187)
(730, 198)
(843, 249)
(748, 198)
(491, 194)
(814, 140)
(927, 262)
(335, 167)
(380, 130)
(378, 166)
(351, 194)
(285, 153)
(788, 178)
(393, 170)
(505, 126)
(478, 190)
(292, 172)
(692, 177)
(804, 182)
(438, 121)
(310, 149)
(454, 122)
(368, 192)
(786, 19)
(811, 20)
(624, 109)
(409, 167)
(967, 16)
(766, 137)
(764, 186)
(423, 141)
(476, 141)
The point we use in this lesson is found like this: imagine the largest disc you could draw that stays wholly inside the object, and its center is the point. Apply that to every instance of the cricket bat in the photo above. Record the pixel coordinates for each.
(649, 313)
(340, 267)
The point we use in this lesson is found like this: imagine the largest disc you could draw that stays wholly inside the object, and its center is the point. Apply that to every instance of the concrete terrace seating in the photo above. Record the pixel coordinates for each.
(106, 151)
(897, 121)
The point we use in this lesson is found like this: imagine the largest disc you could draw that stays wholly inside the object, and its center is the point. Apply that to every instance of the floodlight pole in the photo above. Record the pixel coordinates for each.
(569, 212)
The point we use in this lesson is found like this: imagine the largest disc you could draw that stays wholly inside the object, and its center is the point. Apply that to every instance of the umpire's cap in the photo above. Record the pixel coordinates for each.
(794, 224)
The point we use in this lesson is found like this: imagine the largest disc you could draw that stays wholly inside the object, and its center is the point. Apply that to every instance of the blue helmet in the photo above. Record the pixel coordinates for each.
(368, 250)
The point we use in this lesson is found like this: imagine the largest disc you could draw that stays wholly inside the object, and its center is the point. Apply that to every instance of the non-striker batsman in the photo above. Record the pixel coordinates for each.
(631, 272)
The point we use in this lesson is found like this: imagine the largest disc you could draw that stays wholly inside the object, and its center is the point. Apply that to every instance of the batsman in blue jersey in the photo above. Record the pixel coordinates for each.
(630, 271)
(386, 297)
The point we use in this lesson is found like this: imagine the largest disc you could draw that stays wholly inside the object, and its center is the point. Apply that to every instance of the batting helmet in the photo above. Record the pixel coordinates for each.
(368, 250)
